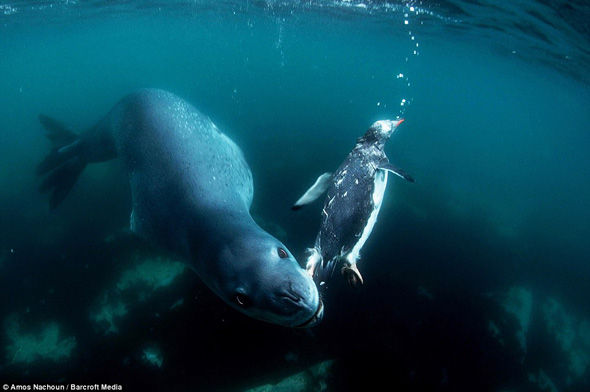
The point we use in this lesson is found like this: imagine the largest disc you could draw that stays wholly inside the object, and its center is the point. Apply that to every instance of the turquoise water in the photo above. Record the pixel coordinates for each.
(476, 275)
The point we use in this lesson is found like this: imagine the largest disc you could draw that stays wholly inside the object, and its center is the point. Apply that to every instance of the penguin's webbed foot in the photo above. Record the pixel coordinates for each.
(352, 275)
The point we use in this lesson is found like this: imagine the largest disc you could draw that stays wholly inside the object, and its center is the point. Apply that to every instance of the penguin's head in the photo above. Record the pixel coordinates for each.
(381, 130)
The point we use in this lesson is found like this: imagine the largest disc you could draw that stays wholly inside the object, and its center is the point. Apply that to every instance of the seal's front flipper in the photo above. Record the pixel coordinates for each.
(316, 190)
(63, 164)
(395, 170)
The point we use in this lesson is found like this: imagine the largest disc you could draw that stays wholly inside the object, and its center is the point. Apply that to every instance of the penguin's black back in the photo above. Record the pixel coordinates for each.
(349, 202)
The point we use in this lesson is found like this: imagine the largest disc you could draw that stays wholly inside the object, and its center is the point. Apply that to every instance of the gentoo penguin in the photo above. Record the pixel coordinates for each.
(354, 195)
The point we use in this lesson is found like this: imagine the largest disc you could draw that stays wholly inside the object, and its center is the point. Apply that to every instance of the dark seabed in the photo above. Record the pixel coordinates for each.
(476, 276)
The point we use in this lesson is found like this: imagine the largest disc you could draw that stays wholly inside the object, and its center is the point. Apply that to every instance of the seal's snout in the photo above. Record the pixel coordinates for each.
(291, 295)
(315, 318)
(310, 304)
(298, 298)
(282, 292)
(297, 295)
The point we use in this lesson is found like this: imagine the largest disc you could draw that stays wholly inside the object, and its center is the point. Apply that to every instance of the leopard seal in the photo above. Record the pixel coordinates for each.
(191, 194)
(353, 200)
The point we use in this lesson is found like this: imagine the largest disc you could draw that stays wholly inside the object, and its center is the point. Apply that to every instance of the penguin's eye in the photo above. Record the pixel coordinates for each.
(282, 253)
(242, 300)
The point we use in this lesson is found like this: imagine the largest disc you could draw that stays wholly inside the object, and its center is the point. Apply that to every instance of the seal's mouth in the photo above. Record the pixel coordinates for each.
(316, 318)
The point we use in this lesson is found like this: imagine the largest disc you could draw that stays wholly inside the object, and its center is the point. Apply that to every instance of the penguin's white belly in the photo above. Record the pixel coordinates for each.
(378, 191)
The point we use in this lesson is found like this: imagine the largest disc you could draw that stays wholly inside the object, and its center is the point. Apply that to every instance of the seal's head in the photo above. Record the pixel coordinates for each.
(261, 278)
(380, 131)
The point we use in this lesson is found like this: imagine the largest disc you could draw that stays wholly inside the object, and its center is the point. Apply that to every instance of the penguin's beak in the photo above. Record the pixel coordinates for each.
(395, 124)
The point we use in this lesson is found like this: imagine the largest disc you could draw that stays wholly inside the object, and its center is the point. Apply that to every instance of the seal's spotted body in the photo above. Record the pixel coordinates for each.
(191, 191)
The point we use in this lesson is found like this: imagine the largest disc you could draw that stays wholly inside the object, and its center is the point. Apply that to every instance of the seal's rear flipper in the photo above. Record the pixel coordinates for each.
(316, 190)
(59, 134)
(61, 180)
(63, 164)
(395, 170)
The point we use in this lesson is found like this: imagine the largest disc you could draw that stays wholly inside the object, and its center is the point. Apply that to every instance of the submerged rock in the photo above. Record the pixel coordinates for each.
(151, 273)
(495, 332)
(179, 302)
(152, 356)
(26, 348)
(518, 302)
(571, 335)
(135, 284)
(107, 314)
(584, 333)
(312, 379)
(542, 381)
(562, 336)
(517, 305)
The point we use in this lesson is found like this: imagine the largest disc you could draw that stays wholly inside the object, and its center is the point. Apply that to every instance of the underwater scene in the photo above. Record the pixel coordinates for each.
(153, 158)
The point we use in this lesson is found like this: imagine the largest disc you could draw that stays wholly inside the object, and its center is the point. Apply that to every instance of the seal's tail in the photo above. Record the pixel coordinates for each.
(62, 166)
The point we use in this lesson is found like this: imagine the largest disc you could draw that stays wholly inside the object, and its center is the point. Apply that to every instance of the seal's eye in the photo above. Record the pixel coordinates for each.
(282, 253)
(242, 300)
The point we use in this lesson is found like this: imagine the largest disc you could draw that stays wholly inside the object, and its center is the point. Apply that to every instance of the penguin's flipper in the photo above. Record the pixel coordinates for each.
(395, 170)
(317, 189)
